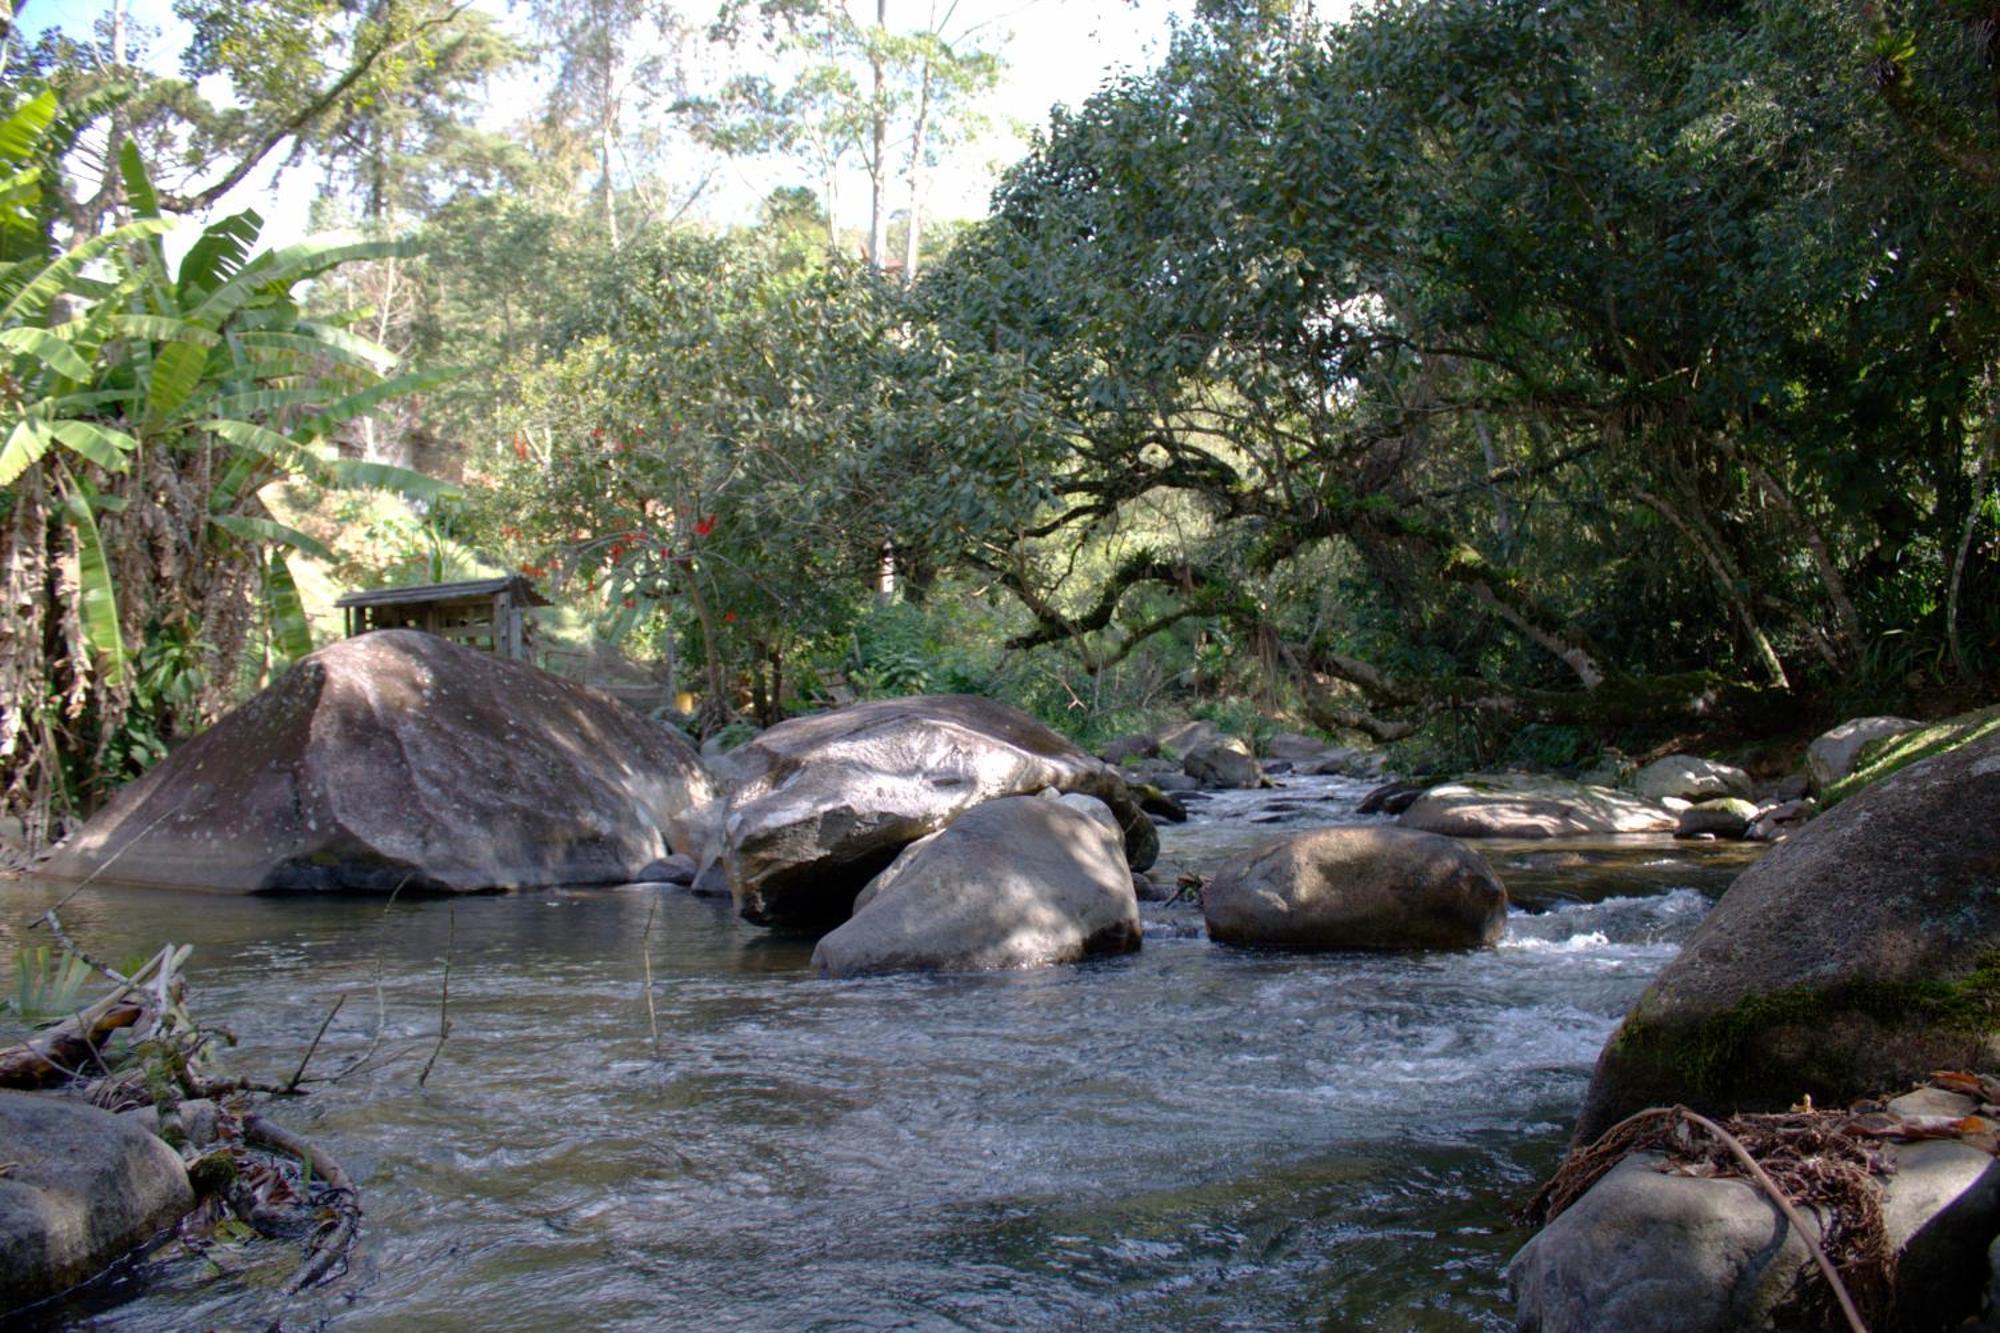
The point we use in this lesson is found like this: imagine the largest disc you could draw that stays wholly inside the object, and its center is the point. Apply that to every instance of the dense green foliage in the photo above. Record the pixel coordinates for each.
(1488, 375)
(143, 408)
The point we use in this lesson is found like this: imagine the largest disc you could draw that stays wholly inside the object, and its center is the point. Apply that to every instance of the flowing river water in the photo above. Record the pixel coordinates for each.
(1191, 1136)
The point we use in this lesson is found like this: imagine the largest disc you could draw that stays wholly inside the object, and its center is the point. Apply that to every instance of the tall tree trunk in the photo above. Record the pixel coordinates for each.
(716, 709)
(1503, 510)
(913, 239)
(604, 168)
(878, 140)
(1952, 598)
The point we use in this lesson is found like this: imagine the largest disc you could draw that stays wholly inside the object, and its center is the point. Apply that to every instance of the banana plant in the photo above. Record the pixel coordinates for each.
(144, 405)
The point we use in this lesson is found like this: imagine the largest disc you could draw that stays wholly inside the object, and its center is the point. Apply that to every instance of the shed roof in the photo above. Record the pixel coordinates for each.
(467, 591)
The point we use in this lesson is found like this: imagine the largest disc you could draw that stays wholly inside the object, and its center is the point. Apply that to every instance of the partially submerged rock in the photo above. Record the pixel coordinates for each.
(1358, 888)
(823, 804)
(1728, 817)
(1392, 798)
(1690, 778)
(83, 1188)
(1024, 881)
(1831, 756)
(1862, 952)
(1518, 805)
(1224, 763)
(396, 759)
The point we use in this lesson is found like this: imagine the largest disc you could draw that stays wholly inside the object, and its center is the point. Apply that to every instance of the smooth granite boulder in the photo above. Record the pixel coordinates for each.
(1832, 754)
(399, 758)
(83, 1187)
(1358, 888)
(823, 804)
(1689, 778)
(1518, 805)
(1024, 881)
(1224, 763)
(1861, 953)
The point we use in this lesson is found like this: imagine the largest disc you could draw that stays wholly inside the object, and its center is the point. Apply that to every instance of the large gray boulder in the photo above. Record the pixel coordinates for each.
(1224, 763)
(1856, 955)
(1358, 888)
(1024, 881)
(823, 804)
(1646, 1252)
(399, 758)
(1184, 737)
(1688, 777)
(1831, 756)
(1293, 747)
(83, 1187)
(1518, 805)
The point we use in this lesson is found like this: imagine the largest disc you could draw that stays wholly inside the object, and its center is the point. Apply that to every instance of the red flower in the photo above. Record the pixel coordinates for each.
(617, 549)
(729, 617)
(705, 526)
(597, 433)
(520, 449)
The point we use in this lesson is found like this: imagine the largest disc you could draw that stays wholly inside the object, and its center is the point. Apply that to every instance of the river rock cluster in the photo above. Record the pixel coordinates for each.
(956, 833)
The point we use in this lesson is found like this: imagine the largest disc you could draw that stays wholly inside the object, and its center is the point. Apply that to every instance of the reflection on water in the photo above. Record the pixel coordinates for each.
(1188, 1136)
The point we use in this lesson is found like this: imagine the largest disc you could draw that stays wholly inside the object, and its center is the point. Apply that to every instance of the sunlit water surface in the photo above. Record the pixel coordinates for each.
(1190, 1137)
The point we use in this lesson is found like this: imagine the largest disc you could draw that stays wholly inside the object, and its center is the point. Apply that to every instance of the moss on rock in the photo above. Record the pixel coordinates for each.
(1878, 759)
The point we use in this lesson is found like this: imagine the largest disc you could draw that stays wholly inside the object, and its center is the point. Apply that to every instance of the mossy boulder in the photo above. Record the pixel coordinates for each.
(1884, 754)
(1833, 754)
(1860, 954)
(1726, 817)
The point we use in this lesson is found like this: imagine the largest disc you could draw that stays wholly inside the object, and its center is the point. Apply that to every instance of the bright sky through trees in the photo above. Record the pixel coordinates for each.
(1053, 51)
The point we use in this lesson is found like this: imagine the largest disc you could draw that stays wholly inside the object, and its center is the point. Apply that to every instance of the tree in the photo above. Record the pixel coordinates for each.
(143, 412)
(1492, 299)
(863, 91)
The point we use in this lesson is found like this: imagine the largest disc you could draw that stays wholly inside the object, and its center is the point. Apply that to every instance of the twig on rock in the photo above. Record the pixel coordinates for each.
(1665, 1127)
(1792, 1214)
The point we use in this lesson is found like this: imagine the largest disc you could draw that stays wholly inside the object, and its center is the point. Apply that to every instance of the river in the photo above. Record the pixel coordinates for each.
(1187, 1137)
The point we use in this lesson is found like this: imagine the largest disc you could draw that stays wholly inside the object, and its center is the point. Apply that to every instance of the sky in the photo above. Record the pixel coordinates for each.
(1055, 51)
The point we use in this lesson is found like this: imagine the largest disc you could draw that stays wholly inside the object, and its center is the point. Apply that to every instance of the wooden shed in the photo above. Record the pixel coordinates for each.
(482, 613)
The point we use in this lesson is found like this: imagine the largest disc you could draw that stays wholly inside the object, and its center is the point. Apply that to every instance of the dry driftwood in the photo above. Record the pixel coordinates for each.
(69, 1048)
